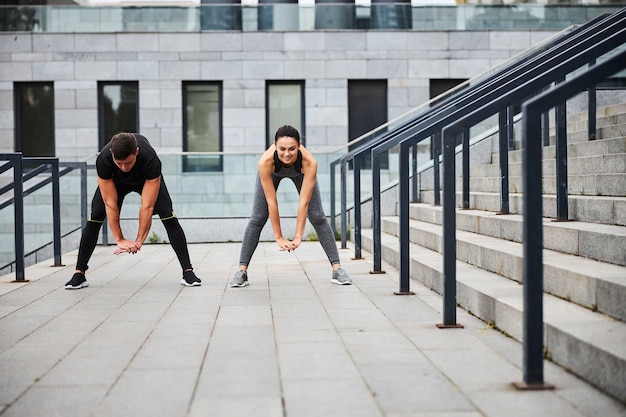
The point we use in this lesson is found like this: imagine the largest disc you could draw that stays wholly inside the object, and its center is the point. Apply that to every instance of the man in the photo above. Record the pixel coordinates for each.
(129, 163)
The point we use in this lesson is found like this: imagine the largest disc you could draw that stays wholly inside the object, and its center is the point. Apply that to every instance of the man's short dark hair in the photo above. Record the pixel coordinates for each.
(123, 145)
(288, 131)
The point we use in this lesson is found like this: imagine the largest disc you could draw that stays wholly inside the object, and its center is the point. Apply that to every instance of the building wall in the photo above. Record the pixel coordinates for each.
(326, 60)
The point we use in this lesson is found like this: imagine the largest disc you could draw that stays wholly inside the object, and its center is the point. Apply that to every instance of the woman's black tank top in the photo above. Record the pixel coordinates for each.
(292, 171)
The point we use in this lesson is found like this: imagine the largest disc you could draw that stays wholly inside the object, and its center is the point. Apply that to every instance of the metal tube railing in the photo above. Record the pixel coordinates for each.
(443, 104)
(483, 104)
(443, 114)
(533, 212)
(16, 161)
(468, 118)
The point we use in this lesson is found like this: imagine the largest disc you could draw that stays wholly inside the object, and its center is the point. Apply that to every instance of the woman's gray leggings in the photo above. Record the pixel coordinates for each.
(260, 214)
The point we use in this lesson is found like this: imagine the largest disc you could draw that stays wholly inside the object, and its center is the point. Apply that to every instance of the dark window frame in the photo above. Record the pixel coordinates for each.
(269, 136)
(102, 136)
(186, 159)
(353, 88)
(17, 106)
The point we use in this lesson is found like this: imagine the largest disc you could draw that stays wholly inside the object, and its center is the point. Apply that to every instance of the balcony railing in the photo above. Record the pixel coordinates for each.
(295, 17)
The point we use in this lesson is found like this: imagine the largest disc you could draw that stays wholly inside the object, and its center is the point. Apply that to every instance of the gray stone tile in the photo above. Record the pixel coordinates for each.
(149, 392)
(291, 344)
(339, 397)
(60, 401)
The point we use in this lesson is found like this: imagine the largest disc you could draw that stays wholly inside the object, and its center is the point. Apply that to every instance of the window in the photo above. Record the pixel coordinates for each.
(202, 125)
(285, 106)
(367, 110)
(118, 109)
(438, 87)
(34, 118)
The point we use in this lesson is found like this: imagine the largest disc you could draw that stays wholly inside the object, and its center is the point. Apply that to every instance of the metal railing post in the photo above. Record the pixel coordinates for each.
(591, 109)
(510, 127)
(533, 251)
(415, 177)
(449, 231)
(466, 168)
(436, 175)
(504, 141)
(404, 232)
(561, 161)
(56, 212)
(344, 208)
(545, 123)
(376, 220)
(18, 210)
(357, 208)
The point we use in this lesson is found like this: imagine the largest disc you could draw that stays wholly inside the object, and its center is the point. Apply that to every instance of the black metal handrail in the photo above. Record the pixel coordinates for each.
(499, 95)
(431, 123)
(530, 76)
(551, 70)
(546, 73)
(533, 206)
(16, 162)
(533, 76)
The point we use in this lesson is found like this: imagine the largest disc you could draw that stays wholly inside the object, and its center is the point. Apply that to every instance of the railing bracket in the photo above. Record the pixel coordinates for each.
(523, 386)
(450, 326)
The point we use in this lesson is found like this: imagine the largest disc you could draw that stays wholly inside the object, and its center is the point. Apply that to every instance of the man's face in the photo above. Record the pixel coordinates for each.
(126, 164)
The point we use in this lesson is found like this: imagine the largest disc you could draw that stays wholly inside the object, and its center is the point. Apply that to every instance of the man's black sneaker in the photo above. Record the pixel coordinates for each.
(77, 282)
(190, 279)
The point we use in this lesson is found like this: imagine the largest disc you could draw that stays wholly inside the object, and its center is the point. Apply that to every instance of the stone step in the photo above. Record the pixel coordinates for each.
(590, 209)
(610, 131)
(600, 242)
(589, 344)
(605, 164)
(592, 185)
(601, 113)
(591, 284)
(587, 148)
(581, 124)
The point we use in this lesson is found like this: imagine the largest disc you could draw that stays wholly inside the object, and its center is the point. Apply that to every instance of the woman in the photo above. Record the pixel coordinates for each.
(288, 158)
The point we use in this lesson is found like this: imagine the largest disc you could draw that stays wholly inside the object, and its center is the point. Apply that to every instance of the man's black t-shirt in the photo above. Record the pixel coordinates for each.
(147, 167)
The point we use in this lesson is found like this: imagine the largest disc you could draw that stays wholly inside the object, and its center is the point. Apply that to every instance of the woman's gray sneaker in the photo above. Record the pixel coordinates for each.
(240, 279)
(341, 277)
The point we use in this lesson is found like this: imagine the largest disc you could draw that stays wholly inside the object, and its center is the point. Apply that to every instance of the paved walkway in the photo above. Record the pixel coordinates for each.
(136, 343)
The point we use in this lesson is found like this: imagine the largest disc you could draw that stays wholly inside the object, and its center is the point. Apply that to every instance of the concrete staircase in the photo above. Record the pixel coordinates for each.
(584, 259)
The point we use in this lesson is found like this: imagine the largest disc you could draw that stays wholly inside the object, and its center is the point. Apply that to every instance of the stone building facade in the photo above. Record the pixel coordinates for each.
(243, 61)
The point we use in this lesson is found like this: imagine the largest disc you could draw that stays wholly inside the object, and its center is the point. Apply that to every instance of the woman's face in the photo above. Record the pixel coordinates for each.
(287, 148)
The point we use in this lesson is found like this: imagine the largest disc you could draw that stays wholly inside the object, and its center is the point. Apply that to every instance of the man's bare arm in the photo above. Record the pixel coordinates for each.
(109, 196)
(149, 196)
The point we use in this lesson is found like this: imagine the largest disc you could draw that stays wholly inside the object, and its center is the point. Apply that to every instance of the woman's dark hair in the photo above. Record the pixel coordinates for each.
(123, 145)
(288, 131)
